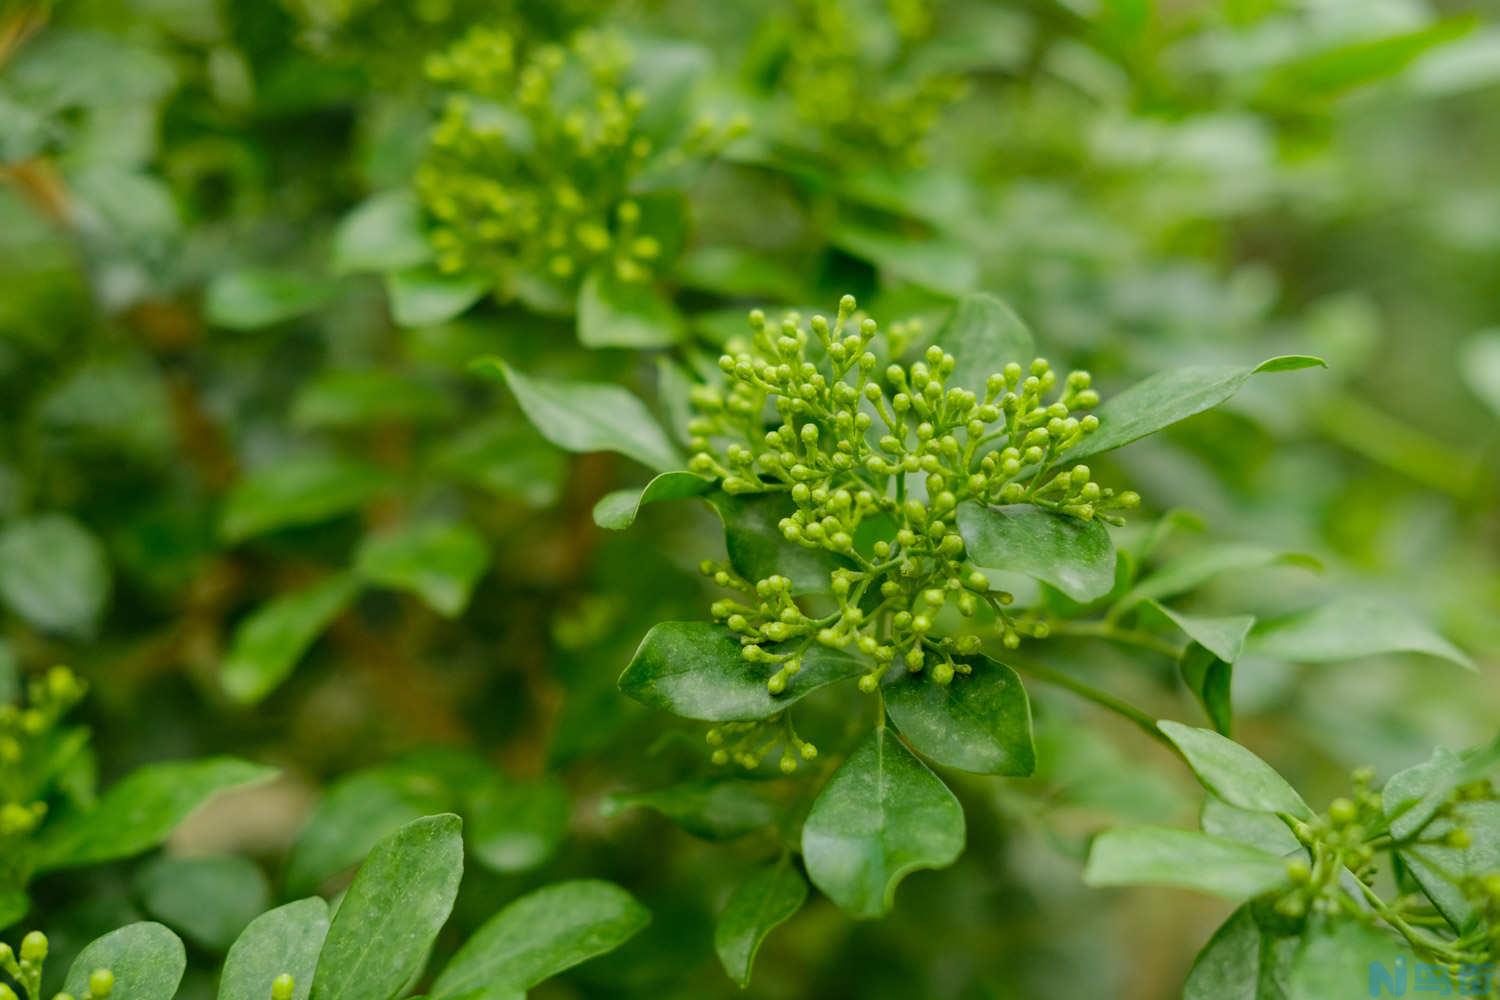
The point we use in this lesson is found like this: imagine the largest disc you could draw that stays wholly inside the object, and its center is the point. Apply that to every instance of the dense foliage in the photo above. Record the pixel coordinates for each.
(656, 499)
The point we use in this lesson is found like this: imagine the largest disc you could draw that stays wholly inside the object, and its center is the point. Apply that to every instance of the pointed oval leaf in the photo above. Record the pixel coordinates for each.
(1222, 636)
(383, 233)
(425, 297)
(980, 722)
(696, 670)
(268, 643)
(438, 562)
(400, 899)
(1233, 773)
(770, 896)
(882, 816)
(712, 809)
(54, 573)
(209, 899)
(615, 313)
(1351, 627)
(1073, 555)
(147, 961)
(1185, 859)
(541, 934)
(296, 492)
(284, 940)
(618, 510)
(258, 297)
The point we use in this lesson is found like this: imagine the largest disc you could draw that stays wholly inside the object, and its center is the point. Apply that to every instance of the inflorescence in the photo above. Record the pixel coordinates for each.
(27, 972)
(28, 755)
(874, 463)
(531, 171)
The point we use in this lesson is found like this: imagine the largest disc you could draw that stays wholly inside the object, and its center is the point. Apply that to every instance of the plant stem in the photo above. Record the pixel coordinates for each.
(1093, 694)
(1113, 633)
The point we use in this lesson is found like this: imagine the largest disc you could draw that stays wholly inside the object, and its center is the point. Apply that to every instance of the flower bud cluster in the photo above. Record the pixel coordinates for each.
(26, 971)
(26, 743)
(874, 461)
(839, 85)
(531, 167)
(749, 743)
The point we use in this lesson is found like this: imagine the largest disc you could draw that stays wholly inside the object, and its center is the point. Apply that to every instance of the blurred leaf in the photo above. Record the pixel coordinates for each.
(1240, 962)
(1172, 395)
(254, 298)
(1480, 367)
(618, 510)
(770, 896)
(541, 934)
(382, 234)
(139, 812)
(1073, 555)
(209, 899)
(507, 457)
(1187, 859)
(709, 808)
(1341, 960)
(615, 313)
(979, 722)
(589, 416)
(1224, 636)
(147, 961)
(695, 670)
(268, 643)
(359, 398)
(54, 574)
(1210, 678)
(295, 492)
(1203, 563)
(284, 940)
(1347, 628)
(882, 816)
(400, 898)
(1233, 773)
(983, 335)
(436, 561)
(14, 904)
(515, 827)
(423, 297)
(933, 261)
(1336, 70)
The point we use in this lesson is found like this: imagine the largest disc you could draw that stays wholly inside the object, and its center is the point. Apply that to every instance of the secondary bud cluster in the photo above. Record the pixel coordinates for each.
(531, 168)
(26, 971)
(839, 83)
(874, 461)
(749, 743)
(28, 751)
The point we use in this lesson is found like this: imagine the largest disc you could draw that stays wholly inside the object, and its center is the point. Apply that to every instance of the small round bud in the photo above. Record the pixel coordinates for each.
(943, 673)
(34, 948)
(1342, 812)
(102, 984)
(1298, 872)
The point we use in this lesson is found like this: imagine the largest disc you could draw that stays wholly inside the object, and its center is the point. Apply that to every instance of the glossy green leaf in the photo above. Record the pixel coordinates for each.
(710, 808)
(423, 297)
(770, 896)
(516, 826)
(1224, 636)
(438, 562)
(1073, 555)
(139, 812)
(589, 416)
(1186, 859)
(615, 313)
(362, 398)
(296, 492)
(696, 670)
(1203, 563)
(1169, 396)
(1258, 829)
(542, 934)
(882, 816)
(1348, 628)
(1240, 962)
(270, 641)
(399, 900)
(1210, 679)
(757, 549)
(618, 510)
(210, 900)
(984, 335)
(979, 722)
(54, 573)
(147, 961)
(284, 940)
(382, 234)
(259, 297)
(1233, 773)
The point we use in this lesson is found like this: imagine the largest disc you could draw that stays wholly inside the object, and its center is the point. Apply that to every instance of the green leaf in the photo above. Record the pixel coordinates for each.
(1172, 395)
(1186, 859)
(254, 298)
(1258, 829)
(933, 261)
(382, 234)
(615, 313)
(589, 416)
(270, 641)
(1343, 961)
(507, 457)
(618, 510)
(147, 961)
(695, 670)
(362, 398)
(757, 549)
(1223, 637)
(139, 812)
(284, 940)
(1348, 628)
(399, 900)
(983, 335)
(1329, 72)
(1240, 962)
(438, 562)
(54, 574)
(14, 904)
(541, 934)
(709, 808)
(423, 297)
(295, 492)
(1073, 555)
(1480, 366)
(881, 816)
(980, 722)
(209, 899)
(1210, 679)
(1233, 773)
(514, 826)
(769, 897)
(1205, 562)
